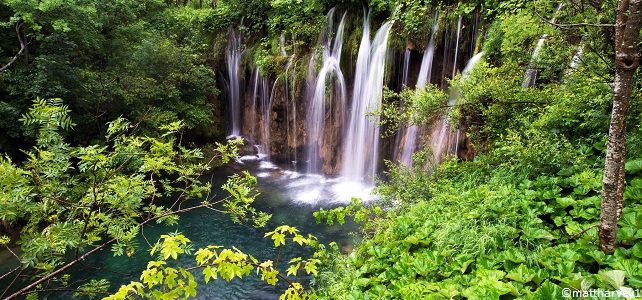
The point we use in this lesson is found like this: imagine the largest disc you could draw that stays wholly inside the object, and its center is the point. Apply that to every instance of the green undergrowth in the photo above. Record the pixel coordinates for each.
(488, 237)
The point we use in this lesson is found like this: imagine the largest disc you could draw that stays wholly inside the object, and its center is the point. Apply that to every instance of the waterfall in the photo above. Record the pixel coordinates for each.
(287, 101)
(233, 55)
(531, 73)
(330, 70)
(406, 63)
(470, 65)
(361, 143)
(426, 62)
(404, 85)
(410, 140)
(439, 139)
(456, 47)
(262, 103)
(440, 136)
(575, 61)
(251, 133)
(530, 77)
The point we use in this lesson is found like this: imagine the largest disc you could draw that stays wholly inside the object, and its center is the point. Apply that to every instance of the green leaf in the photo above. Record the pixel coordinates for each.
(548, 291)
(636, 250)
(521, 274)
(293, 269)
(300, 239)
(209, 272)
(633, 166)
(614, 278)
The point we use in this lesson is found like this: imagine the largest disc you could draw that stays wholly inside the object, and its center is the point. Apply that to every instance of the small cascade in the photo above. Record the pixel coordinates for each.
(287, 100)
(456, 47)
(404, 85)
(361, 142)
(267, 118)
(446, 51)
(251, 132)
(406, 63)
(425, 71)
(410, 140)
(295, 159)
(530, 77)
(233, 56)
(262, 108)
(440, 138)
(330, 73)
(575, 61)
(531, 73)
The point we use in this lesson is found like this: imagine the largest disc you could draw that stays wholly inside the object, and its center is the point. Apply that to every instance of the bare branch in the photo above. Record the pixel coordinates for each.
(579, 234)
(23, 47)
(567, 26)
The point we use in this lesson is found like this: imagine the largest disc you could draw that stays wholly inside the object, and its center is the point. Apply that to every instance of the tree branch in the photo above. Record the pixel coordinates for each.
(566, 26)
(579, 234)
(23, 47)
(27, 288)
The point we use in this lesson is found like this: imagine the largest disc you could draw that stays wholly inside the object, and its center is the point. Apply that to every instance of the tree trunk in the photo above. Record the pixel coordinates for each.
(627, 28)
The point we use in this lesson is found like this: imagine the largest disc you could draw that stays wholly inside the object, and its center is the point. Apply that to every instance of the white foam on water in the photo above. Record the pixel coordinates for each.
(263, 174)
(266, 165)
(346, 190)
(249, 158)
(291, 174)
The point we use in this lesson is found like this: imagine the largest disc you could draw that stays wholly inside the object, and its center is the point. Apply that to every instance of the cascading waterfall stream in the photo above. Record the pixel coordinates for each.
(233, 57)
(439, 138)
(251, 133)
(442, 139)
(456, 47)
(406, 63)
(575, 61)
(404, 85)
(530, 77)
(410, 140)
(287, 97)
(261, 102)
(330, 70)
(361, 143)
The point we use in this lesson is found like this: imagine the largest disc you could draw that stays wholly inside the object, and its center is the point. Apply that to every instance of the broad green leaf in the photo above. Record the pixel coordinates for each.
(209, 272)
(633, 166)
(614, 278)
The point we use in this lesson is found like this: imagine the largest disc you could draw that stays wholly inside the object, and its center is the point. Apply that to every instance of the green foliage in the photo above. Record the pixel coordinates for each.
(243, 194)
(492, 8)
(164, 278)
(299, 19)
(68, 199)
(417, 107)
(113, 59)
(355, 209)
(480, 237)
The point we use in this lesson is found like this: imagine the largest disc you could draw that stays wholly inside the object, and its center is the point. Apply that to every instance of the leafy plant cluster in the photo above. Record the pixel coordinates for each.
(474, 234)
(111, 59)
(67, 202)
(167, 279)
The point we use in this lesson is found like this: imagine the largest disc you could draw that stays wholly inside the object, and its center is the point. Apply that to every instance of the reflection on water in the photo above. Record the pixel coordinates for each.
(290, 196)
